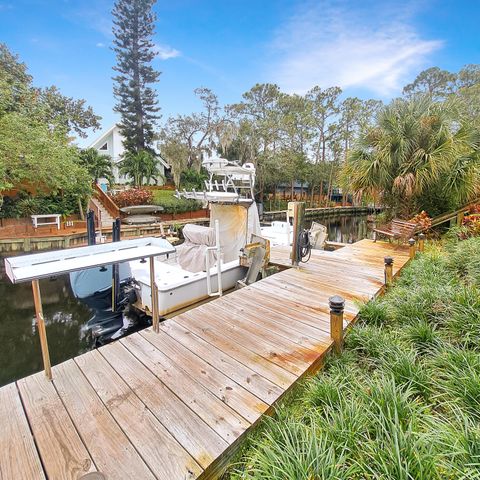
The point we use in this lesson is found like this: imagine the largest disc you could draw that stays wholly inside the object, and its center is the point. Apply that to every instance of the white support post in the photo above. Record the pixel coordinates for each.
(154, 296)
(218, 250)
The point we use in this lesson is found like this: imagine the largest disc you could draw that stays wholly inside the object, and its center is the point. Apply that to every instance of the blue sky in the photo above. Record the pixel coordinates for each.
(371, 48)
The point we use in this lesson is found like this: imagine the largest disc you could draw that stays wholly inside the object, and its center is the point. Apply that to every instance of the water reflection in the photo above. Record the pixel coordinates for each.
(20, 354)
(347, 229)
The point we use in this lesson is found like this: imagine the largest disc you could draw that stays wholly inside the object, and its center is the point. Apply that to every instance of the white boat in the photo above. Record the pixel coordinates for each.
(281, 233)
(207, 263)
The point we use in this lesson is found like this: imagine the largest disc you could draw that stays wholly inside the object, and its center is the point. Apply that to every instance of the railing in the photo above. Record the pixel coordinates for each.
(312, 212)
(449, 216)
(106, 201)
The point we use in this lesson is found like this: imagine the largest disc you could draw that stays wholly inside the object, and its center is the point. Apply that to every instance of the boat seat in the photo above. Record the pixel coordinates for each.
(191, 254)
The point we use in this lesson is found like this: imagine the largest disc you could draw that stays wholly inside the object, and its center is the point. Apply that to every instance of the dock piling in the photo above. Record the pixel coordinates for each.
(337, 306)
(298, 212)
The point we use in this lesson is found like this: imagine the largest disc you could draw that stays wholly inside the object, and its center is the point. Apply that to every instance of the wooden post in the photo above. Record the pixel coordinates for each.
(154, 295)
(460, 217)
(388, 271)
(337, 305)
(42, 332)
(411, 242)
(298, 218)
(421, 242)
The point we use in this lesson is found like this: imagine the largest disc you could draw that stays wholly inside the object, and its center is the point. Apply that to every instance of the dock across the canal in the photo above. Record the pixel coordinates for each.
(178, 404)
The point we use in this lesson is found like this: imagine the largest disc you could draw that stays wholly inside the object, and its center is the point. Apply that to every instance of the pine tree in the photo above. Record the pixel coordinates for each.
(136, 101)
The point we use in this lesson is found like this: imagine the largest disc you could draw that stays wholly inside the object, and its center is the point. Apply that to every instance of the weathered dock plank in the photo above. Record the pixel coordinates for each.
(235, 396)
(18, 455)
(243, 353)
(203, 444)
(232, 368)
(165, 457)
(53, 430)
(219, 416)
(107, 443)
(177, 404)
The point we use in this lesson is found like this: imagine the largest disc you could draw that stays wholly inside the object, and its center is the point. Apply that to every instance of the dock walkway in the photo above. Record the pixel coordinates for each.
(178, 404)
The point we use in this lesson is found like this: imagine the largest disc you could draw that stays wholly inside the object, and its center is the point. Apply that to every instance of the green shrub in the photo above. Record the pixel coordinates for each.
(422, 335)
(192, 179)
(462, 317)
(464, 260)
(374, 313)
(171, 204)
(458, 379)
(291, 450)
(24, 205)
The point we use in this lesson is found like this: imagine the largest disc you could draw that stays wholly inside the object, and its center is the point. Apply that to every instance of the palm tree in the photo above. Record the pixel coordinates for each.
(97, 165)
(420, 155)
(140, 166)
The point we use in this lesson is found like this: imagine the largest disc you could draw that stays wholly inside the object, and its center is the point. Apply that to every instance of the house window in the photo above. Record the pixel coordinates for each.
(104, 146)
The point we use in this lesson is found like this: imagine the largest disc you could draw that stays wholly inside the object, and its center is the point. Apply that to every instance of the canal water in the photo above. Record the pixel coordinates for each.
(65, 316)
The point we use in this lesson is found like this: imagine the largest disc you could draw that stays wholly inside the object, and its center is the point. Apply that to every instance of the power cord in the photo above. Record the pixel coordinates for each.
(304, 247)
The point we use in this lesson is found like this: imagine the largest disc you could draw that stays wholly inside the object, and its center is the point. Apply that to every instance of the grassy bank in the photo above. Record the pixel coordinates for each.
(403, 399)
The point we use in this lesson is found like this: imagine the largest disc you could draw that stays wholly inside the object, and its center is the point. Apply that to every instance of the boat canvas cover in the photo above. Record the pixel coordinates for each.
(191, 254)
(237, 224)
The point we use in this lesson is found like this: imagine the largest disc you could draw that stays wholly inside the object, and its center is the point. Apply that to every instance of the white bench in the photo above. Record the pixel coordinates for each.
(53, 219)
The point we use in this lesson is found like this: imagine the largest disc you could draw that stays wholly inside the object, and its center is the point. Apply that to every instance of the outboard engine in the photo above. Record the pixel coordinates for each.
(94, 288)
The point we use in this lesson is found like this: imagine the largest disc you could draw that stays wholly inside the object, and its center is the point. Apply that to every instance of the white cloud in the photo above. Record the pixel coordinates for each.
(164, 52)
(330, 43)
(100, 45)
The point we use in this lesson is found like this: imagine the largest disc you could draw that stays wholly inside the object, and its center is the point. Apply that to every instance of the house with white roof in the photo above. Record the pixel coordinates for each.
(111, 143)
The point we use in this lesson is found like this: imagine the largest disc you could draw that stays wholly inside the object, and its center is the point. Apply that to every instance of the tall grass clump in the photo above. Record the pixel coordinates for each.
(402, 401)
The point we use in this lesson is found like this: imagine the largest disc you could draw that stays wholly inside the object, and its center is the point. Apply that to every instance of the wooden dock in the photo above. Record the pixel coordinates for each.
(178, 404)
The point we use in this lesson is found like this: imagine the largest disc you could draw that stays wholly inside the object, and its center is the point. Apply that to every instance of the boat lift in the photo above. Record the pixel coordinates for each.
(32, 268)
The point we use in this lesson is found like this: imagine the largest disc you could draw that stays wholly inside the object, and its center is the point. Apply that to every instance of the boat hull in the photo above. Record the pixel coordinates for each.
(177, 293)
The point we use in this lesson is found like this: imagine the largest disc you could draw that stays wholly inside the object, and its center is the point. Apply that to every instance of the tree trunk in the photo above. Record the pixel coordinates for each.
(80, 209)
(329, 189)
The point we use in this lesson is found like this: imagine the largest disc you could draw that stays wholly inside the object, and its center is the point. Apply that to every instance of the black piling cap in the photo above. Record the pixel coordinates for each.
(388, 260)
(421, 236)
(411, 242)
(337, 304)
